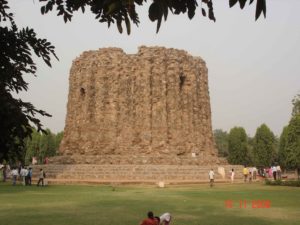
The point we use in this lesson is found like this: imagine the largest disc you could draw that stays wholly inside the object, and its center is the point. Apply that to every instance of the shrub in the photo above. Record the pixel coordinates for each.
(293, 183)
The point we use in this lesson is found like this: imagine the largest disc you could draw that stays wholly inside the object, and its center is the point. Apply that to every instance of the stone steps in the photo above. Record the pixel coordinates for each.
(132, 173)
(132, 159)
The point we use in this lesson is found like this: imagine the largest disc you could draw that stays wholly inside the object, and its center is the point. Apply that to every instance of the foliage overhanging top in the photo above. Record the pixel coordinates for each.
(119, 11)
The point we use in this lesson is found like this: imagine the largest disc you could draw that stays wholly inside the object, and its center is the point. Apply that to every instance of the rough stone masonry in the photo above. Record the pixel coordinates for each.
(147, 108)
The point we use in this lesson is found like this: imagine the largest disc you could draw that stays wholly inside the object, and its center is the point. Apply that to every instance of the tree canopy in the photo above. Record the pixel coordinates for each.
(264, 146)
(296, 105)
(221, 140)
(290, 144)
(238, 146)
(17, 116)
(282, 154)
(42, 145)
(124, 11)
(17, 46)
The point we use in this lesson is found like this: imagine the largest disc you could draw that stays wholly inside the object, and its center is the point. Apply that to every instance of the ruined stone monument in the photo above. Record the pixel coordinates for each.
(137, 118)
(147, 108)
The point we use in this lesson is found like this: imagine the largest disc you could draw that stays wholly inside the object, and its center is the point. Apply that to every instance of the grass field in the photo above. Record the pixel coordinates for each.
(128, 205)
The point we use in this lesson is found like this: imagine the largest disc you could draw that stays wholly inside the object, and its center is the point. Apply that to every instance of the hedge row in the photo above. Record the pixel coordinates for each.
(293, 183)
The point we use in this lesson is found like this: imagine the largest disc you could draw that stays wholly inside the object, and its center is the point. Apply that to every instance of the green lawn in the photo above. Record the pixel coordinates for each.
(128, 205)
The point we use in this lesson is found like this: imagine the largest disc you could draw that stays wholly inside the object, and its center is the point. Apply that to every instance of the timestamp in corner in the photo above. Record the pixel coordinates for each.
(243, 204)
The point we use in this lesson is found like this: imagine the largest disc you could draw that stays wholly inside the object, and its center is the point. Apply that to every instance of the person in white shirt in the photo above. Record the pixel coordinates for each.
(165, 219)
(250, 174)
(274, 171)
(211, 177)
(14, 174)
(232, 175)
(254, 172)
(23, 174)
(278, 172)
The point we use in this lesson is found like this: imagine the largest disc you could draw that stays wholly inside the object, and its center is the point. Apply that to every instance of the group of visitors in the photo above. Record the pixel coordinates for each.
(164, 219)
(273, 171)
(250, 173)
(20, 173)
(24, 174)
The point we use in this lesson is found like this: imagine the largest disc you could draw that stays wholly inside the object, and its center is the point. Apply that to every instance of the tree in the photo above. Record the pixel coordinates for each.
(124, 11)
(296, 105)
(221, 140)
(42, 145)
(17, 116)
(47, 146)
(17, 46)
(290, 151)
(264, 148)
(238, 146)
(32, 146)
(282, 154)
(58, 138)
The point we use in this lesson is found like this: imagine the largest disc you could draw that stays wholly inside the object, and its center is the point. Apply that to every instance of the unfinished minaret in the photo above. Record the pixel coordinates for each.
(147, 108)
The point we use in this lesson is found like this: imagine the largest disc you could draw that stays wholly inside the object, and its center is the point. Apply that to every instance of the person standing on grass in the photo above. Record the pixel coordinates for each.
(245, 172)
(278, 168)
(274, 171)
(270, 172)
(254, 172)
(29, 176)
(6, 171)
(250, 174)
(41, 177)
(23, 174)
(14, 174)
(232, 175)
(150, 220)
(211, 175)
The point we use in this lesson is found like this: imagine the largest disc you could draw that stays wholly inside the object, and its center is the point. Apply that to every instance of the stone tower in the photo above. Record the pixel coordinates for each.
(147, 108)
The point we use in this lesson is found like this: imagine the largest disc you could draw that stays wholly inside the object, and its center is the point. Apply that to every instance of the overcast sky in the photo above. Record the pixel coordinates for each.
(254, 67)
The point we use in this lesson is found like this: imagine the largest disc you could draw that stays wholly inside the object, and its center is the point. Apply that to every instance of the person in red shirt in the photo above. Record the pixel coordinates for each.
(150, 220)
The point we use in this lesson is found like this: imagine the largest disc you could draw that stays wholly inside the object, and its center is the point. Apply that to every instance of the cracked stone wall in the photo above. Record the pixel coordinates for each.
(147, 108)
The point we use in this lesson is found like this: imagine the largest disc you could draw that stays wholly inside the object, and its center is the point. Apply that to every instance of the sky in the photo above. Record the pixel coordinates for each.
(253, 67)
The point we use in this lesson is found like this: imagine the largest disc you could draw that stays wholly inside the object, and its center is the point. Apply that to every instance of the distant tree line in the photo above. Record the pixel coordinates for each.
(42, 145)
(264, 149)
(39, 145)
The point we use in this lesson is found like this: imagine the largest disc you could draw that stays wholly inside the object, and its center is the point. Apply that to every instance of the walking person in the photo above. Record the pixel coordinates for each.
(274, 171)
(2, 172)
(250, 174)
(211, 175)
(14, 174)
(278, 168)
(29, 176)
(23, 174)
(41, 177)
(270, 172)
(254, 172)
(5, 169)
(232, 175)
(245, 172)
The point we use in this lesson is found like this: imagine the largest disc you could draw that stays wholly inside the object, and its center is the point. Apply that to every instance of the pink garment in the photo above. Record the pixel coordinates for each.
(270, 172)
